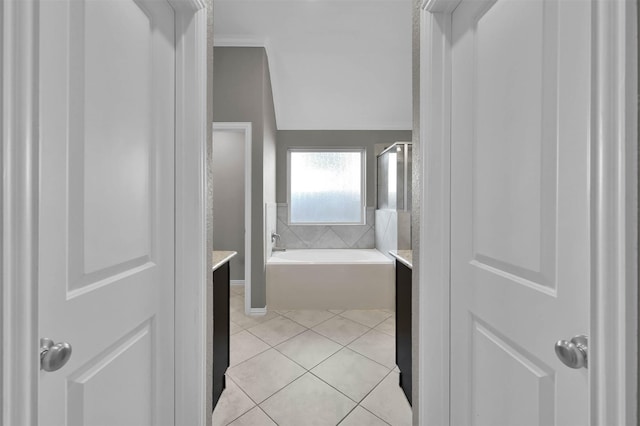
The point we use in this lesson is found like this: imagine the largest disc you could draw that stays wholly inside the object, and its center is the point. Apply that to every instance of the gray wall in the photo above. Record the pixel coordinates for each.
(242, 92)
(228, 196)
(270, 137)
(334, 138)
(1, 198)
(259, 291)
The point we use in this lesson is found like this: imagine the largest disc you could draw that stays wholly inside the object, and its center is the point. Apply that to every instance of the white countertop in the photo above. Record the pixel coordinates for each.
(220, 257)
(404, 256)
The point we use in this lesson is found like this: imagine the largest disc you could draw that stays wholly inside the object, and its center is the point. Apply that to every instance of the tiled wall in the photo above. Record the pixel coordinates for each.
(271, 217)
(322, 236)
(392, 230)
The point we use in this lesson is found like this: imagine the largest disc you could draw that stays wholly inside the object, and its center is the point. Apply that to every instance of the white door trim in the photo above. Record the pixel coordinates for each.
(434, 258)
(20, 145)
(193, 260)
(614, 311)
(245, 128)
(20, 361)
(614, 215)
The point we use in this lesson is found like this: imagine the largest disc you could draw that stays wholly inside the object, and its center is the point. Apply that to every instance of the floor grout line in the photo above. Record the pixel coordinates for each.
(347, 415)
(282, 388)
(374, 414)
(356, 402)
(315, 325)
(264, 400)
(259, 353)
(242, 390)
(309, 370)
(370, 359)
(279, 343)
(366, 325)
(267, 414)
(340, 343)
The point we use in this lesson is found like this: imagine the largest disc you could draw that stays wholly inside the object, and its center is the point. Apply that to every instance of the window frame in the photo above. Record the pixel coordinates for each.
(363, 184)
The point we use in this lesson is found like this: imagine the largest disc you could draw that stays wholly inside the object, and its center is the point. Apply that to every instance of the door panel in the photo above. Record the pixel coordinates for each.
(514, 142)
(519, 202)
(501, 363)
(106, 210)
(116, 200)
(109, 372)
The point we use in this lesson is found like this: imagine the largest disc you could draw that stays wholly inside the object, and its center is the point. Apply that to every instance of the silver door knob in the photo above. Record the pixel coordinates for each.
(573, 353)
(53, 355)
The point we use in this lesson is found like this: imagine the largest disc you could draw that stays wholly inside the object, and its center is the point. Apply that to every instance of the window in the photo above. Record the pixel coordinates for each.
(326, 186)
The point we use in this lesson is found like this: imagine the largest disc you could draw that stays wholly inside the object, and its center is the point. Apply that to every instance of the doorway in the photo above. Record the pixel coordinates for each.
(232, 199)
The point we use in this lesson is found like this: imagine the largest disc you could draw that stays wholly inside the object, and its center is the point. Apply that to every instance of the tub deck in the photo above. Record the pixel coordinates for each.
(330, 279)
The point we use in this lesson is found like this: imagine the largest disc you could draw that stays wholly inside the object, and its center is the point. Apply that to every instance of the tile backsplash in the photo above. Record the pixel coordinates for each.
(325, 236)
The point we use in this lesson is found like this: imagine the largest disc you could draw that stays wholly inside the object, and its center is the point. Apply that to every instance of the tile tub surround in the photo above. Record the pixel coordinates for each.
(392, 230)
(325, 236)
(323, 378)
(330, 279)
(271, 218)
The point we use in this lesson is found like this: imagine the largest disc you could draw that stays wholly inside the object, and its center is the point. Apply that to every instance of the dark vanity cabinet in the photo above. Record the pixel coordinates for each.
(220, 328)
(403, 326)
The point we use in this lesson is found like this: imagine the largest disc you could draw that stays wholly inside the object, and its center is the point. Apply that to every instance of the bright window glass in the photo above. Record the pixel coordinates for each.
(326, 186)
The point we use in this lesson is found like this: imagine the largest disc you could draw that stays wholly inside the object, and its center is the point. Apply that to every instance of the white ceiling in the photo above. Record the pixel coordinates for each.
(335, 64)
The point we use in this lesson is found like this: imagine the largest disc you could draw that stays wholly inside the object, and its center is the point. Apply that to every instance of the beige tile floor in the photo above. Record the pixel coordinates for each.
(312, 368)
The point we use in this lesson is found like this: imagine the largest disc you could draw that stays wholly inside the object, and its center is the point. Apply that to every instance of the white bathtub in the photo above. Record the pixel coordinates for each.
(330, 279)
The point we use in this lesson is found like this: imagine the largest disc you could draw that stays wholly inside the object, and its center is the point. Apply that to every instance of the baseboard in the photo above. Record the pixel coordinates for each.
(258, 311)
(236, 282)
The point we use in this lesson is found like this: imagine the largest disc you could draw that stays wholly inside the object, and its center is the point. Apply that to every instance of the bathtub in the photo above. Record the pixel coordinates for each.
(330, 279)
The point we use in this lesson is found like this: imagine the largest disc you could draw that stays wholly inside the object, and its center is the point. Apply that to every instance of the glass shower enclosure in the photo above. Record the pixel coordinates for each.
(394, 177)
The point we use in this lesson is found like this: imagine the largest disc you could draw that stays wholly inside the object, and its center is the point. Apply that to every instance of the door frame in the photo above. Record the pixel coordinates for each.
(19, 123)
(613, 351)
(245, 128)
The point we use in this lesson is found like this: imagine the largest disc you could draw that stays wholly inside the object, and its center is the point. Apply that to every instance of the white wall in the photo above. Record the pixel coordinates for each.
(228, 196)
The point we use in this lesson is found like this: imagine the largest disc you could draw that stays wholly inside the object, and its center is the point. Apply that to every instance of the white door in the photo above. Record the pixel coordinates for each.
(520, 210)
(106, 247)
